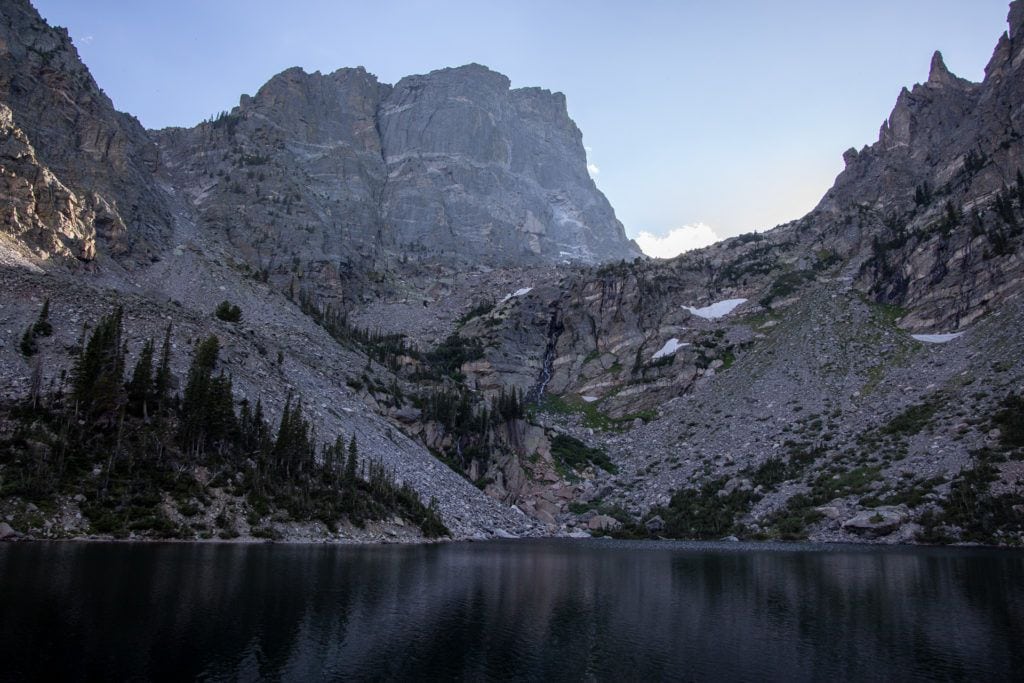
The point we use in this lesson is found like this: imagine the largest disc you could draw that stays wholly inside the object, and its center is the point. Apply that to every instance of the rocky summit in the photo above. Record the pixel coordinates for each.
(353, 310)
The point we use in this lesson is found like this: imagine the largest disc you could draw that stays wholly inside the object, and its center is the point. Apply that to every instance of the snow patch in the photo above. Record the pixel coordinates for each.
(589, 399)
(936, 338)
(670, 347)
(716, 310)
(519, 292)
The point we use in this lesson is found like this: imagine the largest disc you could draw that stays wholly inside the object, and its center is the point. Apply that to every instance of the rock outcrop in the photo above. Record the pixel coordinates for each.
(38, 211)
(95, 151)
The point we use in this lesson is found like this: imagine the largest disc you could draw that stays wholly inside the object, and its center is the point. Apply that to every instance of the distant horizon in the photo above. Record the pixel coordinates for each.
(700, 122)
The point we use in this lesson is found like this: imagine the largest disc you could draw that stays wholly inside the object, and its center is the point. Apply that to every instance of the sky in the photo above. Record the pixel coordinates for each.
(701, 120)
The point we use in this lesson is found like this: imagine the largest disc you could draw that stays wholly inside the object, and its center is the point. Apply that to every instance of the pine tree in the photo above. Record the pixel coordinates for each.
(221, 424)
(352, 464)
(162, 384)
(42, 326)
(140, 388)
(28, 343)
(98, 375)
(196, 399)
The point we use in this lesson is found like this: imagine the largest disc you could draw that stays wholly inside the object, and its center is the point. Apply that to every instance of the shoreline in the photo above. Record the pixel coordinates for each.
(806, 544)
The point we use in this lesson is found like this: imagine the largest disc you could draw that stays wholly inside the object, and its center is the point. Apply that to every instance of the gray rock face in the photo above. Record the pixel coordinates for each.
(342, 173)
(78, 135)
(36, 209)
(480, 171)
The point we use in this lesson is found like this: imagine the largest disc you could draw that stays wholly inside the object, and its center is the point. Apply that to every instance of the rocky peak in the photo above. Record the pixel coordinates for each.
(449, 167)
(1016, 19)
(939, 75)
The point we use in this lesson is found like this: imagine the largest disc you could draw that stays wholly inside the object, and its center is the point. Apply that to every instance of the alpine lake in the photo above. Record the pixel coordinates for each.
(509, 610)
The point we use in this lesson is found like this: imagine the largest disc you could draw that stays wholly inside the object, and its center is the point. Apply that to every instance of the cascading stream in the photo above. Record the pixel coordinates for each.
(555, 328)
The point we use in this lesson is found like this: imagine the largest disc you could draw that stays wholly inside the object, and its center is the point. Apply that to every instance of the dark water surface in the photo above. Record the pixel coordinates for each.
(533, 610)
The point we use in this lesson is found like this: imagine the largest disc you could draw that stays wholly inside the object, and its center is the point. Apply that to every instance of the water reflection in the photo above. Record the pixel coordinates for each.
(526, 610)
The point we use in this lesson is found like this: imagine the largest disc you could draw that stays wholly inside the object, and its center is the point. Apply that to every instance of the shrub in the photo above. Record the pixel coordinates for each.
(228, 312)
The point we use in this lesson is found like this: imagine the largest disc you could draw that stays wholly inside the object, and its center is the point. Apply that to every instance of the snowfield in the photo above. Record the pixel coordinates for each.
(716, 310)
(936, 338)
(670, 347)
(519, 292)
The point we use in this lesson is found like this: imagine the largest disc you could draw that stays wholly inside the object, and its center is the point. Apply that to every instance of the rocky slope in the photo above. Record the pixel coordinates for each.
(416, 260)
(921, 234)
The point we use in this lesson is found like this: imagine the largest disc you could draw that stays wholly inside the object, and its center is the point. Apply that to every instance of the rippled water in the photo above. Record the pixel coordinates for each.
(532, 610)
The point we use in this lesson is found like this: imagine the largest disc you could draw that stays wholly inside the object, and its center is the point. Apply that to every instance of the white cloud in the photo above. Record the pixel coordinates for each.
(593, 170)
(588, 148)
(677, 241)
(85, 41)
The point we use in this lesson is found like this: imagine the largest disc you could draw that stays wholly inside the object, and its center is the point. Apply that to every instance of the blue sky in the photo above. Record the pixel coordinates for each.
(703, 119)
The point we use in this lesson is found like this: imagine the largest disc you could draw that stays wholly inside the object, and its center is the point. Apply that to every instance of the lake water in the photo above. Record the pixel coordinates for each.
(525, 610)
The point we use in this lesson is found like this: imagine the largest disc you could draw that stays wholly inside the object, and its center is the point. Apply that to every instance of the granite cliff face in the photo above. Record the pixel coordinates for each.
(325, 177)
(490, 174)
(40, 214)
(103, 156)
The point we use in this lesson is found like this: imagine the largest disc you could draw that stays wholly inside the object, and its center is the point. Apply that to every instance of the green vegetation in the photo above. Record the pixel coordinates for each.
(228, 312)
(571, 452)
(915, 418)
(449, 356)
(387, 349)
(785, 285)
(911, 493)
(1010, 420)
(481, 308)
(474, 426)
(127, 447)
(776, 470)
(792, 520)
(974, 512)
(591, 415)
(706, 512)
(40, 328)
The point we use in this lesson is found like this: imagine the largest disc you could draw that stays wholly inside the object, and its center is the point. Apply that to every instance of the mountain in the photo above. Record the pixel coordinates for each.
(427, 267)
(451, 167)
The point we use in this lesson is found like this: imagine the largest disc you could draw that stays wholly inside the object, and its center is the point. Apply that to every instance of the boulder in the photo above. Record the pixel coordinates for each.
(876, 523)
(603, 523)
(655, 524)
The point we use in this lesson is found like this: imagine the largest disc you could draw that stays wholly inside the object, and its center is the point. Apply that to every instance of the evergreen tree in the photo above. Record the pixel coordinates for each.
(196, 403)
(162, 383)
(352, 464)
(98, 375)
(28, 343)
(221, 425)
(140, 388)
(42, 326)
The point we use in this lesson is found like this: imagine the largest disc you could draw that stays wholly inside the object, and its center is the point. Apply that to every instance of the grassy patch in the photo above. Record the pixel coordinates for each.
(1010, 421)
(591, 416)
(573, 453)
(912, 420)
